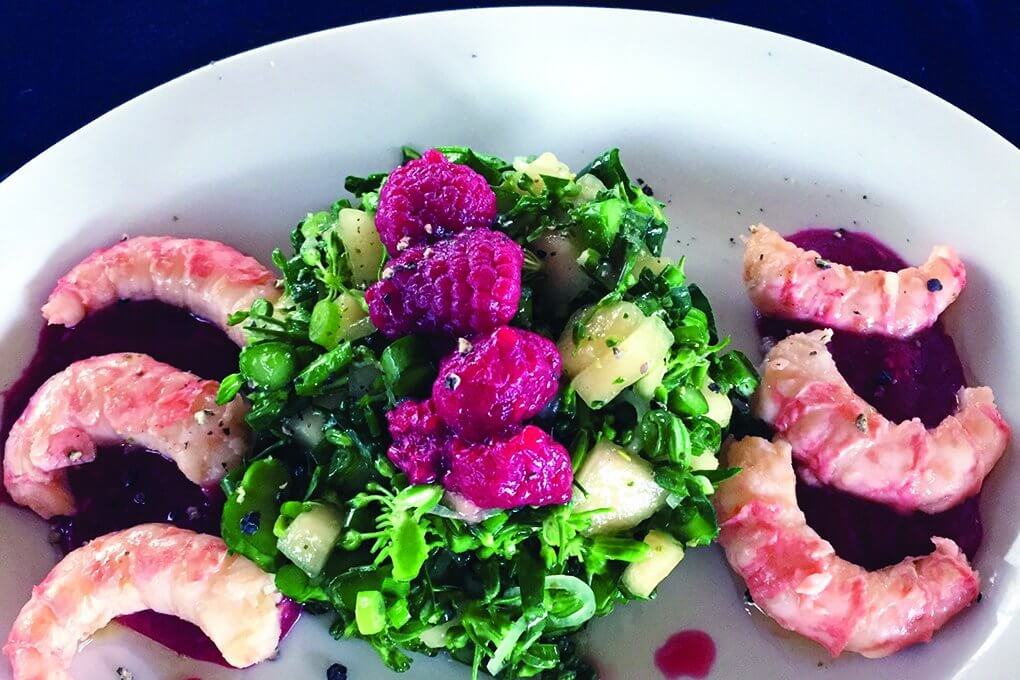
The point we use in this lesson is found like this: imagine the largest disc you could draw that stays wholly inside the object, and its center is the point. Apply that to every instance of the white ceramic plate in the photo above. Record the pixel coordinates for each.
(730, 125)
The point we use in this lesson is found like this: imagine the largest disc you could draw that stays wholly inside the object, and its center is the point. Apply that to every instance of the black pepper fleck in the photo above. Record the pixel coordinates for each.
(250, 523)
(338, 671)
(862, 422)
(934, 285)
(885, 378)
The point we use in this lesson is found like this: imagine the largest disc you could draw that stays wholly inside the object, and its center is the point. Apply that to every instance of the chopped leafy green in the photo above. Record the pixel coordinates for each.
(407, 368)
(506, 592)
(363, 185)
(608, 168)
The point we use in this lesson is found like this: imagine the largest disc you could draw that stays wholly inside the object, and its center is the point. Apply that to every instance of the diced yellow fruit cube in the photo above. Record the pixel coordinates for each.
(310, 538)
(720, 408)
(361, 241)
(625, 363)
(620, 483)
(664, 554)
(608, 326)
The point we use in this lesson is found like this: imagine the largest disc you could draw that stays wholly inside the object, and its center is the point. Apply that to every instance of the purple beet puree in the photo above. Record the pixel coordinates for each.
(129, 485)
(187, 639)
(902, 378)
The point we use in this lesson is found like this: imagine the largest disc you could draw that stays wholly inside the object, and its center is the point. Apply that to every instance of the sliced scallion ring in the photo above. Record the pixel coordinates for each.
(580, 591)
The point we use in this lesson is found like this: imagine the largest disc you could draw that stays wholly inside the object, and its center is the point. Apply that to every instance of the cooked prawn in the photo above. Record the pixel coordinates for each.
(796, 578)
(842, 441)
(112, 399)
(208, 278)
(151, 566)
(788, 281)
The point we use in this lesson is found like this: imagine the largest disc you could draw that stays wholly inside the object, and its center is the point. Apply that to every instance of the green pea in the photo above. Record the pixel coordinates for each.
(688, 400)
(324, 326)
(268, 364)
(229, 388)
(324, 367)
(370, 612)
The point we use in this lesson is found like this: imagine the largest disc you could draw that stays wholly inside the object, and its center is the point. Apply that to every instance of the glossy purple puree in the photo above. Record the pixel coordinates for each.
(902, 378)
(128, 485)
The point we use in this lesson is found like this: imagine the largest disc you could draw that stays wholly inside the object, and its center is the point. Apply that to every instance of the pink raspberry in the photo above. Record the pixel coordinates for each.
(511, 471)
(503, 379)
(468, 284)
(419, 441)
(429, 199)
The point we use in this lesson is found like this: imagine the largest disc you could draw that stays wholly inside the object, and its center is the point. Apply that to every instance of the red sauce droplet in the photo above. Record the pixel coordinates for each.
(687, 654)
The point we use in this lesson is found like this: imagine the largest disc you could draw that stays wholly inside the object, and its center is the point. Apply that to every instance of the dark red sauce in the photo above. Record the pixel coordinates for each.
(687, 654)
(186, 638)
(902, 378)
(129, 485)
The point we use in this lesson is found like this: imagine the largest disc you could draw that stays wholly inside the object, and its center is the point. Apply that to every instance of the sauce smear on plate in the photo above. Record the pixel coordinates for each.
(901, 377)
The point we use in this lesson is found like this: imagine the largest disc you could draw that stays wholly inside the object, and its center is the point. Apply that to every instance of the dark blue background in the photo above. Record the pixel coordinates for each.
(63, 63)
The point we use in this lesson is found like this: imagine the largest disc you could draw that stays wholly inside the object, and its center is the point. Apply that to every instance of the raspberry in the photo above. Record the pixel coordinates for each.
(468, 284)
(511, 471)
(419, 441)
(505, 378)
(429, 199)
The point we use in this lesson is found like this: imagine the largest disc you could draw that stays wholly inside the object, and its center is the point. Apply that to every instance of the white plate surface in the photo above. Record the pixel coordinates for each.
(729, 124)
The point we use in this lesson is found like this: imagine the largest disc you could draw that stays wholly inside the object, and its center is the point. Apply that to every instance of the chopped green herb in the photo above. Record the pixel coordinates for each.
(399, 567)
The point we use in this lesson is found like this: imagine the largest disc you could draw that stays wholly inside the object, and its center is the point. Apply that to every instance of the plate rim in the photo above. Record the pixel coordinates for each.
(816, 56)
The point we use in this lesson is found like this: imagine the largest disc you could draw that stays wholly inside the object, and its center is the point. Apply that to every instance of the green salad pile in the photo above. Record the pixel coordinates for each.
(319, 504)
